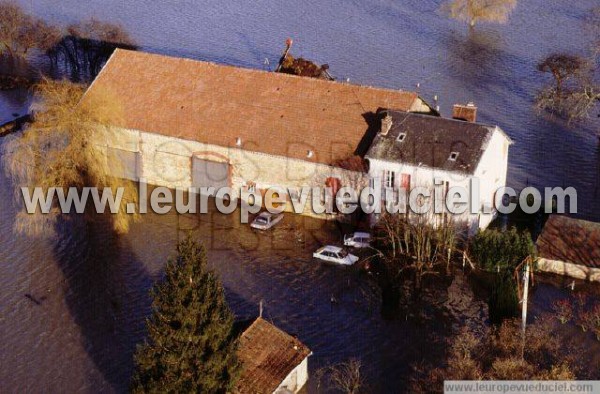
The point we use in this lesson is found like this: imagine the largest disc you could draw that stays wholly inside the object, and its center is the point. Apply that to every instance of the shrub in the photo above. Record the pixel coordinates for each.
(563, 310)
(498, 250)
(503, 302)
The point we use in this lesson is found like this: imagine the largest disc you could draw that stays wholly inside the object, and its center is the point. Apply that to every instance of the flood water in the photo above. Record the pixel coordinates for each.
(73, 307)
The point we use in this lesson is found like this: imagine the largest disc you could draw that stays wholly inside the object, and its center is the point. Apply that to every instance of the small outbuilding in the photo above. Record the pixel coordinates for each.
(570, 247)
(272, 361)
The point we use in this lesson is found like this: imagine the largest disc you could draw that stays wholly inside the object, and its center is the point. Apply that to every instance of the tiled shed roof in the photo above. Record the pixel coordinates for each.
(268, 356)
(570, 240)
(270, 112)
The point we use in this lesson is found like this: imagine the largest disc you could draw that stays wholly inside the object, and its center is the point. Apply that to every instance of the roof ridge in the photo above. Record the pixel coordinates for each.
(259, 71)
(489, 126)
(179, 98)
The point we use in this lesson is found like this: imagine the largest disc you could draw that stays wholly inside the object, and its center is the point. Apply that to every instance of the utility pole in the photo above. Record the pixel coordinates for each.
(525, 293)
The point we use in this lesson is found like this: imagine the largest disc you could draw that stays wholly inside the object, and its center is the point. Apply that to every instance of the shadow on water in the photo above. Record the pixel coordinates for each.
(106, 293)
(477, 58)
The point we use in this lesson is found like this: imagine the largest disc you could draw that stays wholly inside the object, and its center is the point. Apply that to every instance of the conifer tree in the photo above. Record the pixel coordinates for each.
(503, 302)
(191, 346)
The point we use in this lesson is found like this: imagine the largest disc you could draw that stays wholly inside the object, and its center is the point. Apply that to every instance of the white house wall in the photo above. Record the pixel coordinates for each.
(423, 177)
(492, 170)
(301, 372)
(166, 161)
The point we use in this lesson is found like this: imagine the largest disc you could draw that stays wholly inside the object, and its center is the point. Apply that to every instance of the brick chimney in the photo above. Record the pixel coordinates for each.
(386, 125)
(467, 112)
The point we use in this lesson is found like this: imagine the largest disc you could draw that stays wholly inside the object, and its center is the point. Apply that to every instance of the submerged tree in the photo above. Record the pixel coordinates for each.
(574, 93)
(61, 149)
(562, 67)
(504, 301)
(88, 45)
(345, 377)
(473, 11)
(411, 245)
(20, 32)
(191, 344)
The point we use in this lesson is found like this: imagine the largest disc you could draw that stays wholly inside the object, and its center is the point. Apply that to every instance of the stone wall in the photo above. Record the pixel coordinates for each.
(167, 161)
(569, 269)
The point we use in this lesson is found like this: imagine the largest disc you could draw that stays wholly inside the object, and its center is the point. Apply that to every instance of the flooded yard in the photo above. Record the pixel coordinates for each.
(73, 306)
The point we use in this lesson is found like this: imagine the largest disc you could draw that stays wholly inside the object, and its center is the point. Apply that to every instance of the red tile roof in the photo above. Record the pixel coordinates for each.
(273, 113)
(268, 356)
(570, 240)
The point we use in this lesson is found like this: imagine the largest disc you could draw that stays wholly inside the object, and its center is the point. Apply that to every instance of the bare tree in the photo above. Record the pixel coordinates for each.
(412, 244)
(473, 11)
(15, 27)
(45, 36)
(20, 32)
(574, 93)
(345, 377)
(563, 67)
(59, 150)
(503, 353)
(88, 45)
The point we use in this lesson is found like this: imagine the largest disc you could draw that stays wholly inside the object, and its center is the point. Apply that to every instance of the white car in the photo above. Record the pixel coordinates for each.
(335, 254)
(266, 220)
(358, 240)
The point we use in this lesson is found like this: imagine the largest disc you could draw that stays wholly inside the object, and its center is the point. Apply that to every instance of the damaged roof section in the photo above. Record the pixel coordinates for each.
(273, 113)
(430, 141)
(300, 66)
(304, 68)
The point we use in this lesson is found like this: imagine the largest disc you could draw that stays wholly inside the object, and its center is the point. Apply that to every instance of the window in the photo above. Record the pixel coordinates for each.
(401, 137)
(389, 178)
(453, 156)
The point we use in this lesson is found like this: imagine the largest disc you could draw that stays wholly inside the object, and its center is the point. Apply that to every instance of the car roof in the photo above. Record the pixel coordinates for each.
(331, 248)
(362, 234)
(265, 214)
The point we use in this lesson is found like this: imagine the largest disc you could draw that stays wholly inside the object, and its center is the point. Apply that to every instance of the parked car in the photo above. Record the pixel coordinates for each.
(335, 254)
(266, 220)
(357, 240)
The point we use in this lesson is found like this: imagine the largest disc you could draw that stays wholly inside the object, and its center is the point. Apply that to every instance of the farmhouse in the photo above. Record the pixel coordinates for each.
(570, 247)
(414, 150)
(272, 361)
(192, 123)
